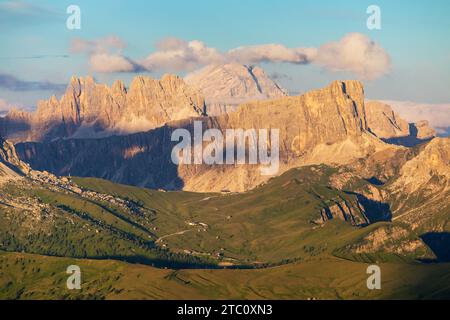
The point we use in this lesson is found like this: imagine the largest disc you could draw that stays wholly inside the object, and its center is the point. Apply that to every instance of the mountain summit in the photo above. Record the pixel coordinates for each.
(89, 109)
(229, 85)
(322, 126)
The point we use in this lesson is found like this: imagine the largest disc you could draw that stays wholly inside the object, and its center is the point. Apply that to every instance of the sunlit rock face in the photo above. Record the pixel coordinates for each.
(384, 122)
(431, 168)
(11, 167)
(322, 126)
(91, 110)
(389, 126)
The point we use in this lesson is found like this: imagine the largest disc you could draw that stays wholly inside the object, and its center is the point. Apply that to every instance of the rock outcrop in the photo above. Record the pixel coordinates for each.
(384, 122)
(418, 185)
(424, 131)
(389, 126)
(347, 211)
(227, 86)
(432, 163)
(391, 239)
(410, 185)
(88, 109)
(11, 167)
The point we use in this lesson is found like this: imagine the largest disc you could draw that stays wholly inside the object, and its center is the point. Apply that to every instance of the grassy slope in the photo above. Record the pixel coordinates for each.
(26, 276)
(82, 228)
(269, 224)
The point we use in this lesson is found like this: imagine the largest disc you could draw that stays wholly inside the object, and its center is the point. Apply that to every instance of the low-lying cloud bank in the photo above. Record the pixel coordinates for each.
(437, 114)
(354, 53)
(12, 83)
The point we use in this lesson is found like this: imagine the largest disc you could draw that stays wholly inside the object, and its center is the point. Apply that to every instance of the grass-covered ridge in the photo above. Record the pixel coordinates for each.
(271, 240)
(26, 276)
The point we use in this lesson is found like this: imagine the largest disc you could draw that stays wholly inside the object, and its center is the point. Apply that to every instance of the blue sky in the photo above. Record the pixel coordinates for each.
(35, 43)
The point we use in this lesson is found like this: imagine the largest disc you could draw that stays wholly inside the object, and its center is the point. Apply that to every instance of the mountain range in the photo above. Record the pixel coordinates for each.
(132, 128)
(88, 109)
(90, 176)
(92, 110)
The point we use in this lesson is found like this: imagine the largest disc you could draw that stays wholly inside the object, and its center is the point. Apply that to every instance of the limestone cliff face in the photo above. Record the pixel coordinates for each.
(227, 86)
(424, 131)
(347, 211)
(88, 109)
(322, 116)
(389, 126)
(384, 122)
(432, 163)
(421, 192)
(392, 239)
(411, 185)
(323, 126)
(11, 167)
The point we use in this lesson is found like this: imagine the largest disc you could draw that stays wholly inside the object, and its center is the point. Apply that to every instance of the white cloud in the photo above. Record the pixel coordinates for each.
(105, 54)
(354, 53)
(18, 8)
(102, 45)
(179, 55)
(268, 53)
(107, 63)
(438, 115)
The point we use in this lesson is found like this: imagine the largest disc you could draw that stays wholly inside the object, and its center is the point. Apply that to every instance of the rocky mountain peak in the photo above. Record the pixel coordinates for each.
(389, 126)
(74, 80)
(118, 87)
(76, 84)
(352, 88)
(384, 122)
(171, 78)
(89, 109)
(228, 85)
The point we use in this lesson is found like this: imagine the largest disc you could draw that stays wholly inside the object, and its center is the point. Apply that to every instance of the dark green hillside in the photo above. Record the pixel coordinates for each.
(273, 223)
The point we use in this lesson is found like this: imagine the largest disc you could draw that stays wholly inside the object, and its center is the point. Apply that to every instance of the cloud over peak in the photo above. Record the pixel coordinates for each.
(101, 45)
(108, 63)
(180, 55)
(269, 53)
(354, 53)
(105, 54)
